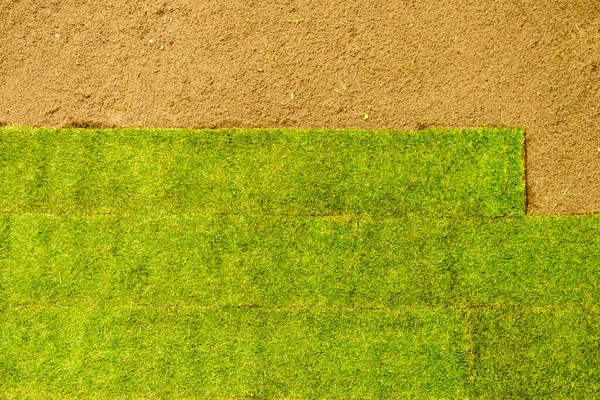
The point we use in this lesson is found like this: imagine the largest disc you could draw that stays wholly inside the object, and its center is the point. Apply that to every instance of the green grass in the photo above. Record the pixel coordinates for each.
(288, 172)
(288, 264)
(536, 352)
(233, 352)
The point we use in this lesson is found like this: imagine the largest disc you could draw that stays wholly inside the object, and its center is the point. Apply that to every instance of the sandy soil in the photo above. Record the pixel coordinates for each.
(320, 63)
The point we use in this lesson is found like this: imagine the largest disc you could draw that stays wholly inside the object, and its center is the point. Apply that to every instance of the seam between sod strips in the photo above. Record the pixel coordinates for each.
(330, 217)
(525, 178)
(395, 309)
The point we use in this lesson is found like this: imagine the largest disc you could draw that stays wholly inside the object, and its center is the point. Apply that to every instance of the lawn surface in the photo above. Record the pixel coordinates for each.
(288, 264)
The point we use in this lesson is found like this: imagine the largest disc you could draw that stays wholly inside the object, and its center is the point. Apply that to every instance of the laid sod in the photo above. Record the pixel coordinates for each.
(536, 352)
(288, 264)
(226, 261)
(178, 351)
(299, 263)
(285, 172)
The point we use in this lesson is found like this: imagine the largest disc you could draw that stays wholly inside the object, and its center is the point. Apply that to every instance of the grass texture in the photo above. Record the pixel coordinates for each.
(288, 264)
(283, 172)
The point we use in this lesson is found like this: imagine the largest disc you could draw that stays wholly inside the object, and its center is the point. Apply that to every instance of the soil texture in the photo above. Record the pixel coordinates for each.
(398, 64)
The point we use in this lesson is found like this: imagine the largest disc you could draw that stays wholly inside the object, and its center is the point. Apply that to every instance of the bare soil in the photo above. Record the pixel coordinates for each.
(400, 64)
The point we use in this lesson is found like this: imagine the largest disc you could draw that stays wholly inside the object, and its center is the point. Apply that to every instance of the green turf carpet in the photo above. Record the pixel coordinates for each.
(288, 264)
(292, 173)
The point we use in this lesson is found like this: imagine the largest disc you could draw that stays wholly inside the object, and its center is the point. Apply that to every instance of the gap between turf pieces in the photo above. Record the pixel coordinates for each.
(525, 178)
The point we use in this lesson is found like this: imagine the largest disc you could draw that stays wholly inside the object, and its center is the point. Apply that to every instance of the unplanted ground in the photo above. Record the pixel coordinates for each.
(370, 64)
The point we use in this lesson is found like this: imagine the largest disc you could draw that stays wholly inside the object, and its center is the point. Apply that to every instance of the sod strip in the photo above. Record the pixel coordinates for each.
(171, 352)
(475, 172)
(529, 353)
(541, 261)
(311, 262)
(225, 261)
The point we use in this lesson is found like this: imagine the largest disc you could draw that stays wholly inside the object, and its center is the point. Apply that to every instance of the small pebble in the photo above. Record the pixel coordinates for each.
(150, 41)
(57, 36)
(162, 47)
(259, 69)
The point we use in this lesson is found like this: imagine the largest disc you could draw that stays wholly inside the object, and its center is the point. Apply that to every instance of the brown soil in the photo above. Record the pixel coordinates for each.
(320, 63)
